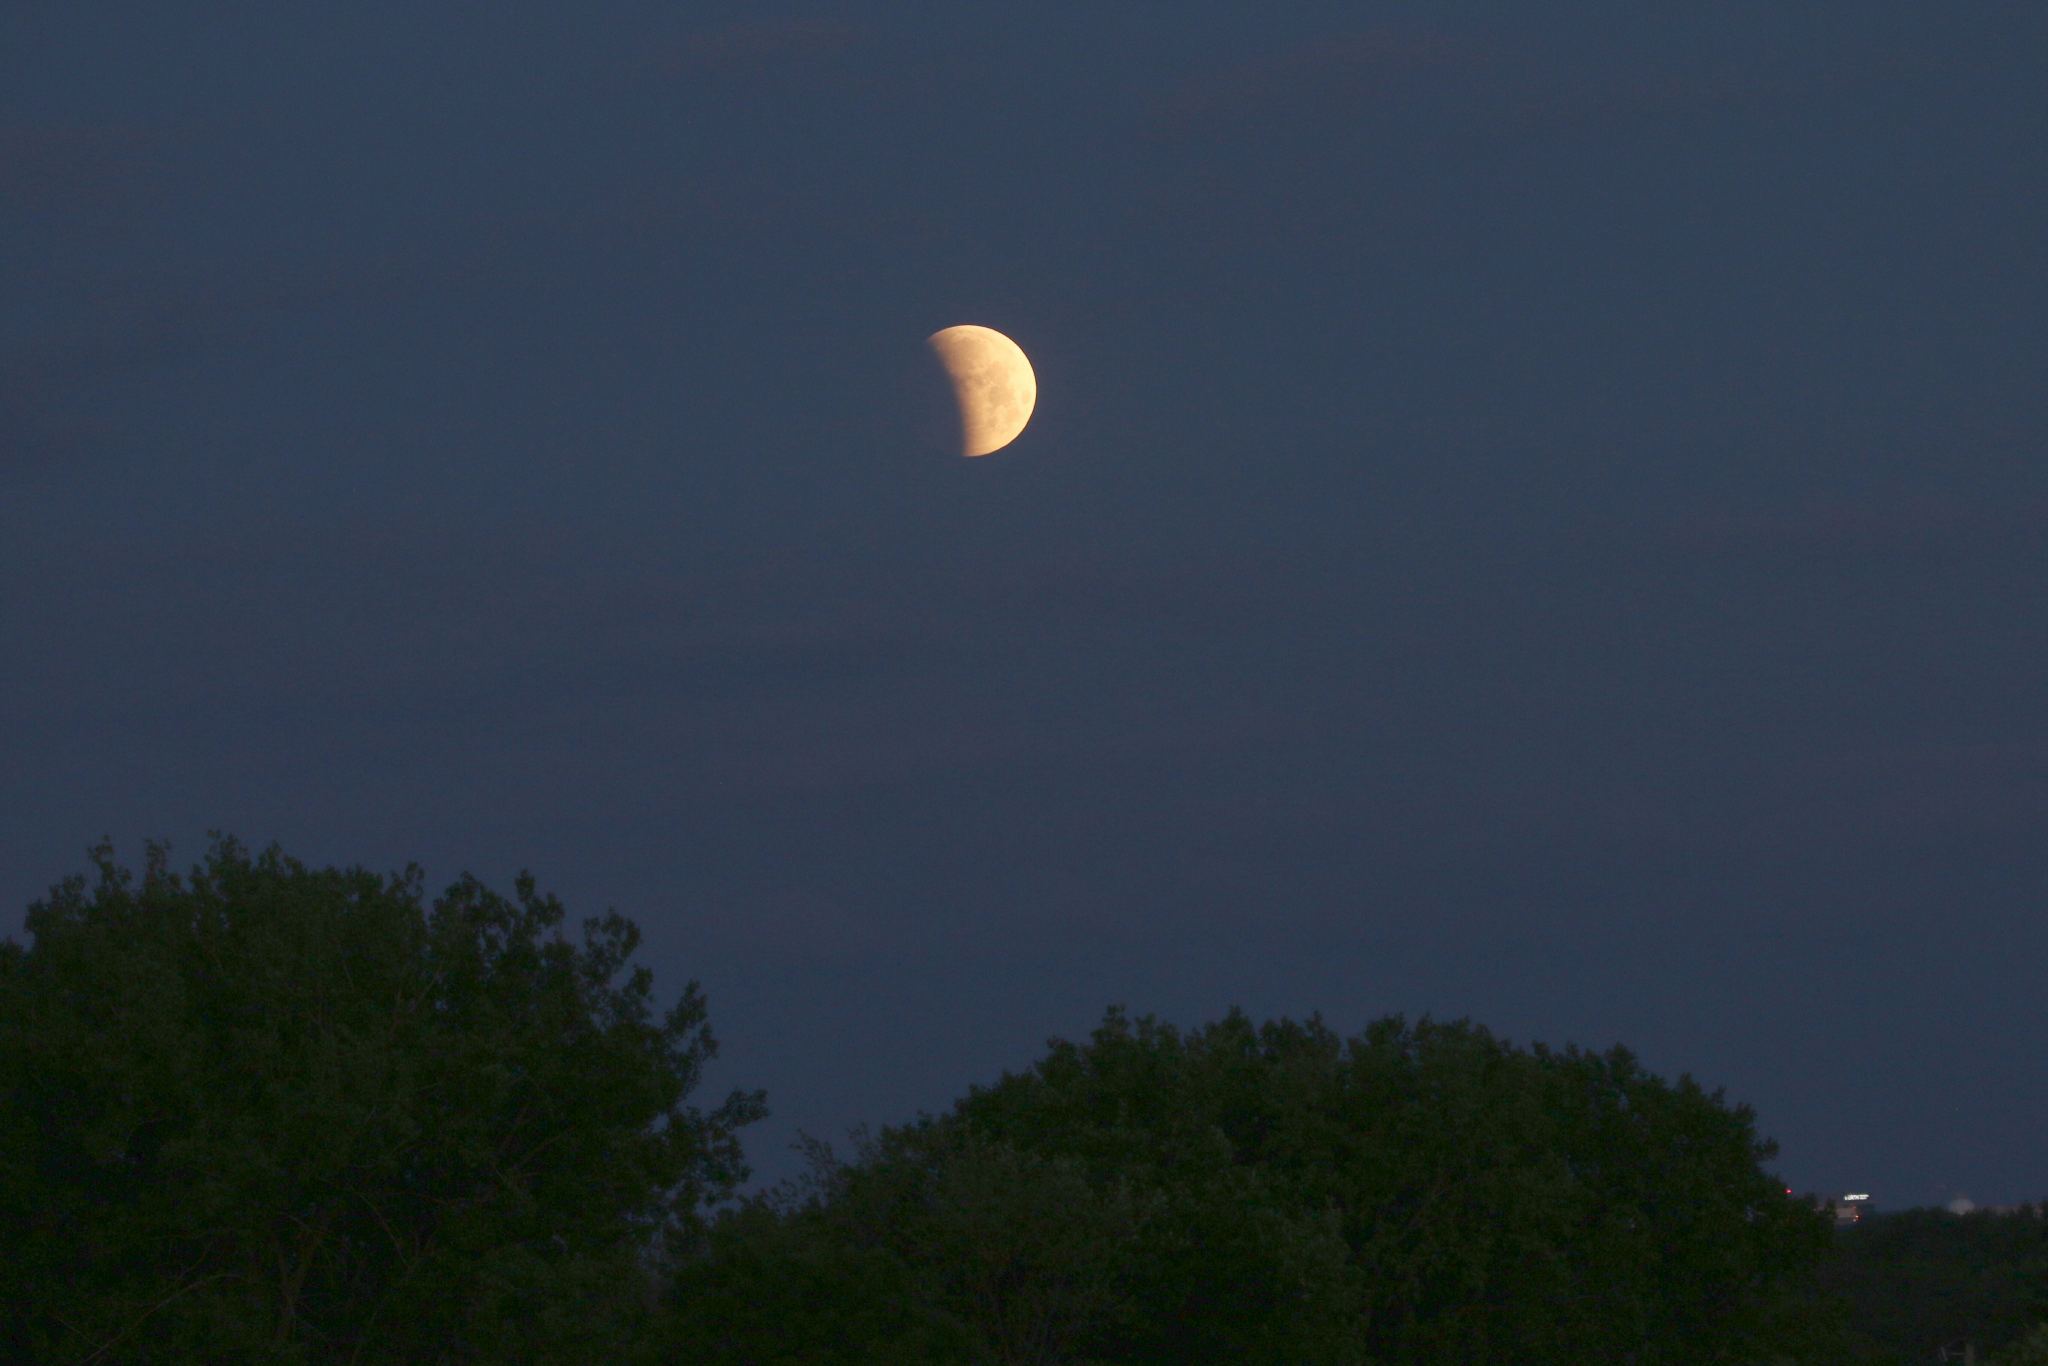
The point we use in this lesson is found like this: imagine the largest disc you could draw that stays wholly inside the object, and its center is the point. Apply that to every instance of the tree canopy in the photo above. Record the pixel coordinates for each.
(1918, 1280)
(271, 1113)
(1421, 1192)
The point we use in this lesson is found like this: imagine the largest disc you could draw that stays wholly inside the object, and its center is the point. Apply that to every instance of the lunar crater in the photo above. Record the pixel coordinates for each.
(993, 385)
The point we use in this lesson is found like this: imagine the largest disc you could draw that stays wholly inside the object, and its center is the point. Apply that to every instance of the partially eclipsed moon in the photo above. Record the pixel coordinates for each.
(992, 382)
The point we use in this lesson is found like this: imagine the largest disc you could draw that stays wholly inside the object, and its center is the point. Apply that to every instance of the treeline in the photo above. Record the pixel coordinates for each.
(268, 1113)
(1918, 1281)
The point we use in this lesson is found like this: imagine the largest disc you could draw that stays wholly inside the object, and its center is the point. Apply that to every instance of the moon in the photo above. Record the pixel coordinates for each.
(992, 383)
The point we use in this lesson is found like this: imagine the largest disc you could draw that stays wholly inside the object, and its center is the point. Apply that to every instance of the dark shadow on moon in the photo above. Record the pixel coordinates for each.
(922, 417)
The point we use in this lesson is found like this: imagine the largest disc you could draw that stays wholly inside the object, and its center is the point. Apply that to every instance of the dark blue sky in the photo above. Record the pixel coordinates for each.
(1534, 512)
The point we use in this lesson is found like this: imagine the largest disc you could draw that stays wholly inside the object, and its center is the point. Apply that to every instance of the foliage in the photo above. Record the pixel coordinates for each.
(1275, 1194)
(896, 1272)
(1917, 1279)
(2031, 1350)
(286, 1115)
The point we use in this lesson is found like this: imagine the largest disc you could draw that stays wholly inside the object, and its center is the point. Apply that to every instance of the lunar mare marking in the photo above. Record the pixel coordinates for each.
(992, 383)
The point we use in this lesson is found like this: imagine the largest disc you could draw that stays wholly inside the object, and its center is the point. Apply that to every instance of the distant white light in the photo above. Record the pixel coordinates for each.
(1863, 1195)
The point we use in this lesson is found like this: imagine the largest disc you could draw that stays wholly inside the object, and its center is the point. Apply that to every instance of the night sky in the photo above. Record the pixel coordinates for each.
(1537, 513)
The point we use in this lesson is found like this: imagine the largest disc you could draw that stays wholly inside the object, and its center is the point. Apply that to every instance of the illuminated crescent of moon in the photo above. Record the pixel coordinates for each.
(992, 383)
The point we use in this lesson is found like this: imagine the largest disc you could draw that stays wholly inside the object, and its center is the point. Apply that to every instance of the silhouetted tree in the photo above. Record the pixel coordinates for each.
(1920, 1278)
(1275, 1194)
(279, 1114)
(999, 1257)
(2030, 1350)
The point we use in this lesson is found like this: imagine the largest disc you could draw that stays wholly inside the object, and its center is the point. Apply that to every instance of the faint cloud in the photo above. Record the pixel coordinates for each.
(1620, 100)
(48, 384)
(1933, 786)
(1906, 527)
(754, 48)
(48, 168)
(752, 678)
(1344, 70)
(38, 437)
(1401, 86)
(790, 916)
(1825, 795)
(125, 324)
